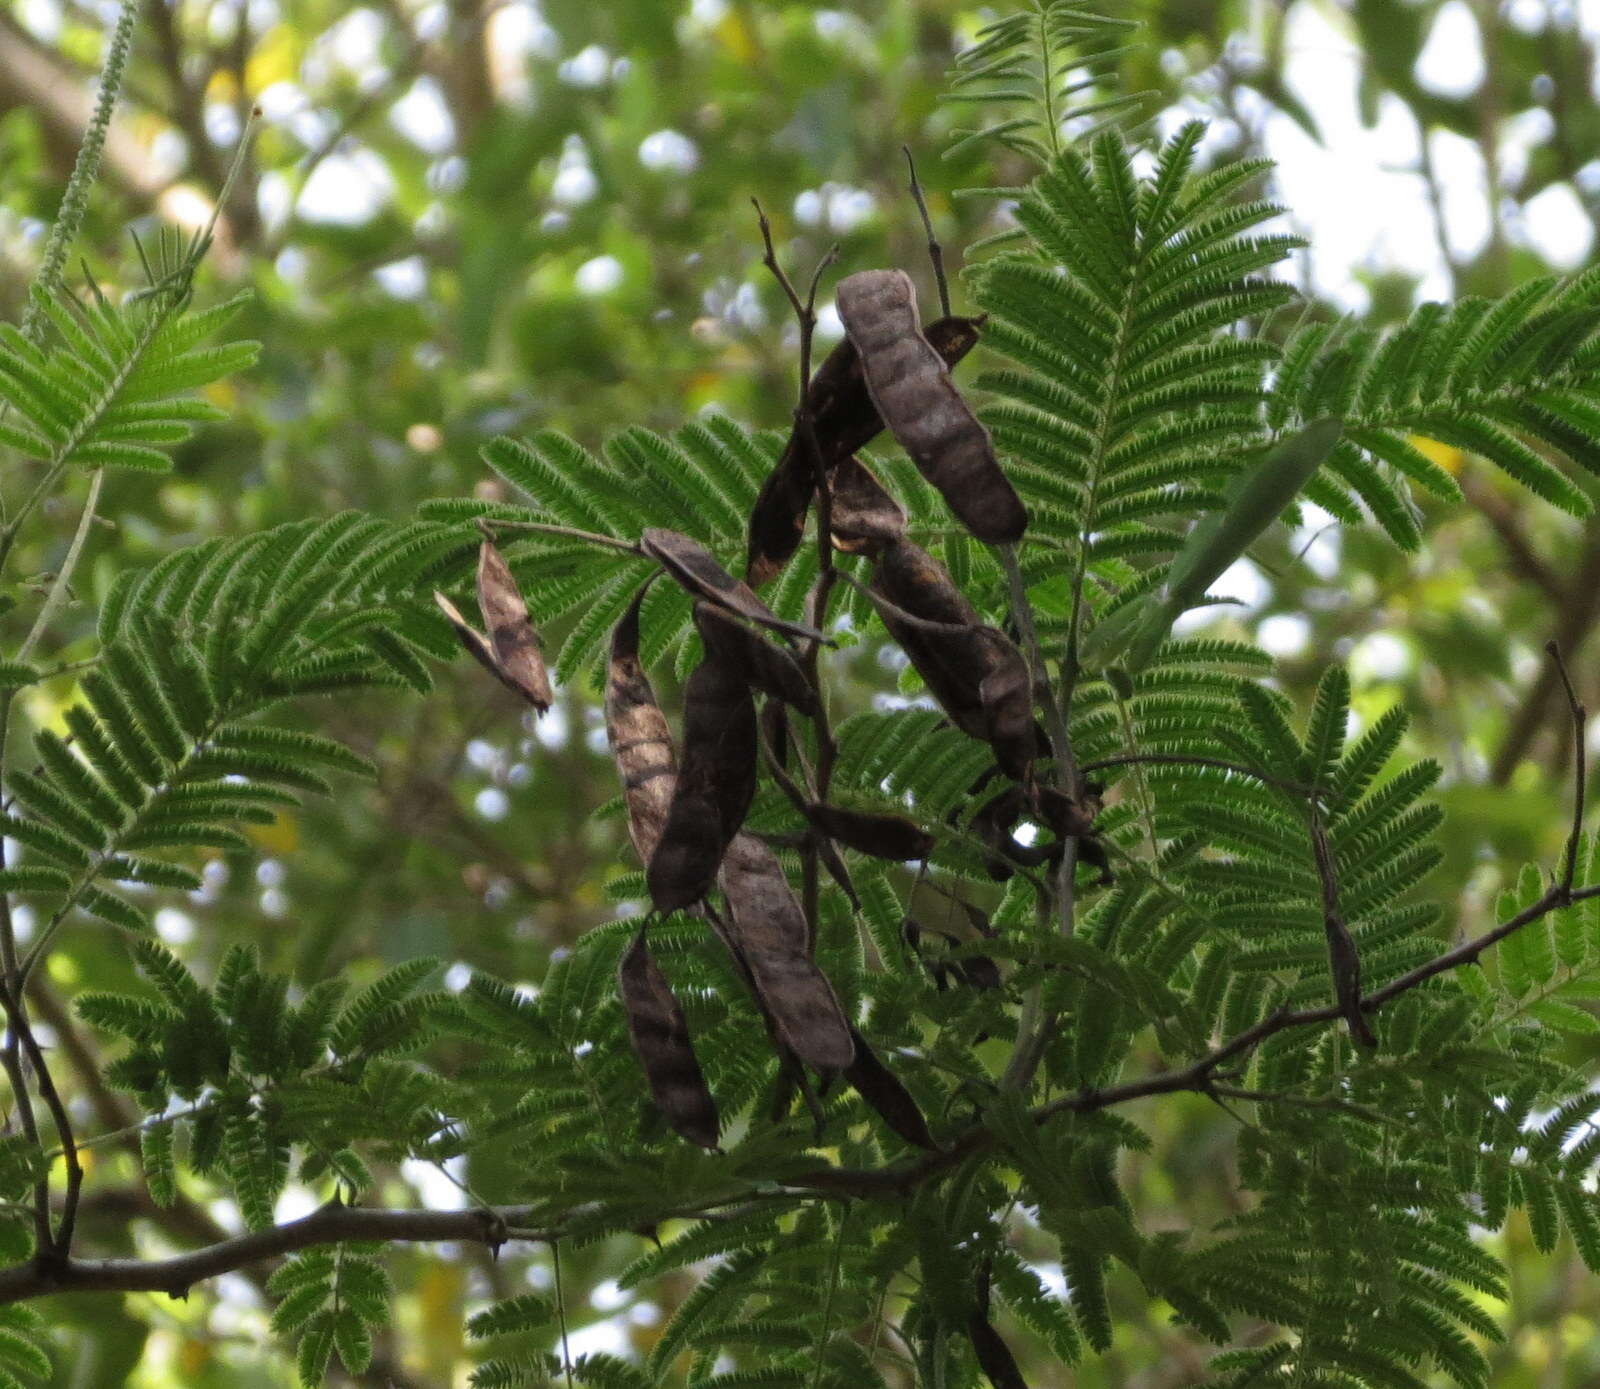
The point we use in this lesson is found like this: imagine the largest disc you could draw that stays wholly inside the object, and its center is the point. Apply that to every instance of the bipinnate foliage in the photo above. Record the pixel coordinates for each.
(889, 1038)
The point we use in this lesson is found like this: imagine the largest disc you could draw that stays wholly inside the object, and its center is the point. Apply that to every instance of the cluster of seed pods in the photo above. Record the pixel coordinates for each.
(686, 811)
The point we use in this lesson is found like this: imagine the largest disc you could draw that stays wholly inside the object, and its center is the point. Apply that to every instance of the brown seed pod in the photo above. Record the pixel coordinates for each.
(993, 1355)
(696, 568)
(862, 516)
(911, 386)
(769, 929)
(889, 837)
(714, 788)
(1073, 818)
(660, 1036)
(978, 971)
(974, 670)
(479, 647)
(770, 669)
(881, 1088)
(844, 419)
(476, 643)
(517, 650)
(641, 740)
(992, 824)
(775, 731)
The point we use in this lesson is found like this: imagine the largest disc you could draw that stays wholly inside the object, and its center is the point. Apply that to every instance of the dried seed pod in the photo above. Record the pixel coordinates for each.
(641, 740)
(775, 731)
(696, 568)
(476, 643)
(770, 669)
(660, 1036)
(844, 419)
(911, 386)
(908, 575)
(975, 671)
(770, 932)
(1063, 814)
(979, 970)
(1006, 694)
(891, 837)
(881, 1088)
(714, 788)
(518, 653)
(862, 516)
(1073, 818)
(993, 1355)
(778, 518)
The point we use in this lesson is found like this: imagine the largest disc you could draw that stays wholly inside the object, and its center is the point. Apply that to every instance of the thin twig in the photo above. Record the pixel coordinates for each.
(805, 424)
(935, 250)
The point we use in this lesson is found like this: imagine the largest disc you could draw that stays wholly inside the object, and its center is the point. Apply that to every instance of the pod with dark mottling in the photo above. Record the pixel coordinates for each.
(483, 652)
(910, 384)
(641, 741)
(518, 652)
(862, 516)
(844, 419)
(714, 788)
(769, 929)
(660, 1036)
(696, 568)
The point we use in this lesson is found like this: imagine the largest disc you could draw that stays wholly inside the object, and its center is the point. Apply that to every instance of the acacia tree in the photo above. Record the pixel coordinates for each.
(895, 979)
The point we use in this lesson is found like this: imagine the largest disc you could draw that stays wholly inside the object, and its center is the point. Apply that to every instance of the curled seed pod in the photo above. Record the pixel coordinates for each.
(770, 932)
(891, 837)
(641, 740)
(882, 1089)
(770, 669)
(1073, 818)
(843, 419)
(714, 787)
(911, 386)
(518, 652)
(660, 1036)
(1066, 815)
(992, 824)
(696, 568)
(862, 516)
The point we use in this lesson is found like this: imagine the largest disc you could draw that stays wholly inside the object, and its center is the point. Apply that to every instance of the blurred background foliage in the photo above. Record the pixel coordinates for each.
(466, 218)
